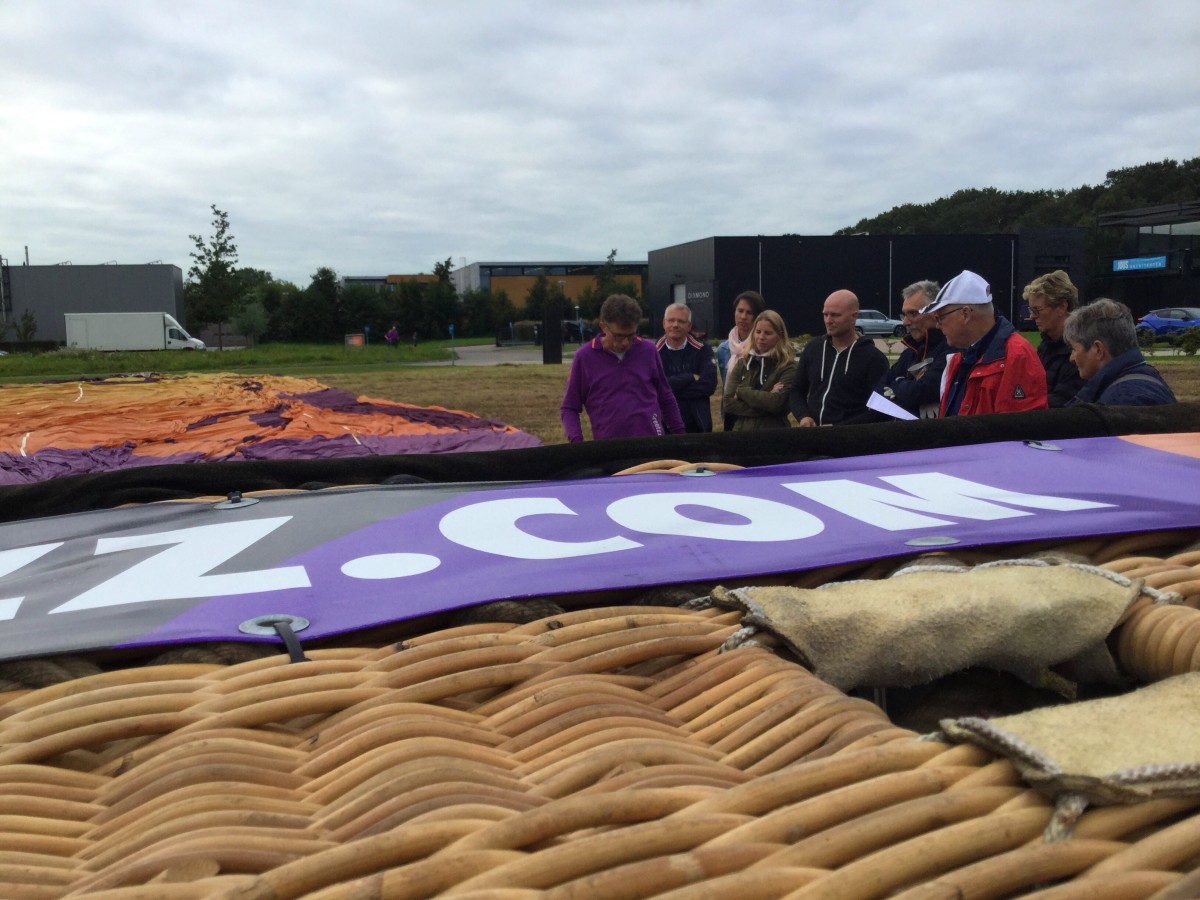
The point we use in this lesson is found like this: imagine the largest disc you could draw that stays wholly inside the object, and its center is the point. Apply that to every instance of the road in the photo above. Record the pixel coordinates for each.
(527, 354)
(491, 355)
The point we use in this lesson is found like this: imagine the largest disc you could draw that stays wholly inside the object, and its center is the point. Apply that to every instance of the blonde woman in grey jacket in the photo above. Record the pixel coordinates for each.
(757, 389)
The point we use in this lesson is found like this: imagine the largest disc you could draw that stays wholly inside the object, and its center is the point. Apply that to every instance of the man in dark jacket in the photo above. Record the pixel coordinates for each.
(1051, 298)
(914, 380)
(1104, 347)
(837, 372)
(689, 367)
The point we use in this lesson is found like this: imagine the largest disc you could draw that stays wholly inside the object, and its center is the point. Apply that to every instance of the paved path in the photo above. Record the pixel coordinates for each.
(527, 354)
(491, 355)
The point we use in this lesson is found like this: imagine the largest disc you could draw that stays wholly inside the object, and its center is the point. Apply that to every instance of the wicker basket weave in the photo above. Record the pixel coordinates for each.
(608, 752)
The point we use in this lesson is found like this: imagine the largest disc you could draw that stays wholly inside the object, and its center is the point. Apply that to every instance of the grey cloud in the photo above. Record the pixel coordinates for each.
(378, 137)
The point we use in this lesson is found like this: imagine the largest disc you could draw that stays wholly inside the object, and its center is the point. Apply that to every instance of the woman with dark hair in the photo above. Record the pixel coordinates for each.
(747, 306)
(757, 389)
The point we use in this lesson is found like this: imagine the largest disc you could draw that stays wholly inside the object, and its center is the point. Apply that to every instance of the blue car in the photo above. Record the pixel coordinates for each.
(1163, 322)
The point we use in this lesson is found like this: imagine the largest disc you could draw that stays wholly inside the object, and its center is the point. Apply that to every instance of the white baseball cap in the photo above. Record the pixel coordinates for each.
(964, 289)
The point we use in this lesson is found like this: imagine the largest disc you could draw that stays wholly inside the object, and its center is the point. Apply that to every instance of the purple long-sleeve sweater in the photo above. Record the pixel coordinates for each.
(628, 397)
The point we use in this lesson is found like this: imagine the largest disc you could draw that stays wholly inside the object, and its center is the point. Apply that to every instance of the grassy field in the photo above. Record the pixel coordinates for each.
(283, 359)
(525, 396)
(528, 397)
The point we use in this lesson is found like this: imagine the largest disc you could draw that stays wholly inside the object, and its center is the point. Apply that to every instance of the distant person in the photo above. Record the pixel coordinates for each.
(392, 337)
(618, 379)
(914, 380)
(1051, 298)
(1104, 348)
(747, 306)
(690, 369)
(995, 369)
(837, 371)
(757, 389)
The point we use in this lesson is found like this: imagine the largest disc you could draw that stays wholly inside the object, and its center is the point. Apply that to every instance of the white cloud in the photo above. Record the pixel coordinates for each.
(377, 137)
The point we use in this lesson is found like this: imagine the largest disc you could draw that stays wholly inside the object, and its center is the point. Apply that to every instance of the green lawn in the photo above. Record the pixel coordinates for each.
(285, 359)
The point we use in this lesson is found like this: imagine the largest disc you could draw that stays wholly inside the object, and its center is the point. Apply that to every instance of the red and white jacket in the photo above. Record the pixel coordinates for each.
(1008, 377)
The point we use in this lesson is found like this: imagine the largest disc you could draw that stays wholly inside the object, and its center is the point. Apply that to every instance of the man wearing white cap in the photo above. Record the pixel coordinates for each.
(995, 369)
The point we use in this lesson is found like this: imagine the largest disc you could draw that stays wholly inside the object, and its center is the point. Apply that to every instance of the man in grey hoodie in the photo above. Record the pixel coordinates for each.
(836, 373)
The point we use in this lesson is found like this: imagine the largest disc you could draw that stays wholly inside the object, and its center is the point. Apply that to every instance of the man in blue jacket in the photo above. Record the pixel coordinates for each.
(688, 363)
(1104, 348)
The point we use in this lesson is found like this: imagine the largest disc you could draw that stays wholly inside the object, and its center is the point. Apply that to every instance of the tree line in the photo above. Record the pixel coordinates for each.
(249, 301)
(989, 210)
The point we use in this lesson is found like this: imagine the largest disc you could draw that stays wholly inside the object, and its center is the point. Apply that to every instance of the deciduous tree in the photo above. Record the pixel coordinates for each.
(251, 320)
(441, 308)
(214, 290)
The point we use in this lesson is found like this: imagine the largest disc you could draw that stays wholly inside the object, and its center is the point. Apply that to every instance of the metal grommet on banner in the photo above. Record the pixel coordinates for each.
(698, 470)
(235, 500)
(1041, 445)
(931, 540)
(283, 625)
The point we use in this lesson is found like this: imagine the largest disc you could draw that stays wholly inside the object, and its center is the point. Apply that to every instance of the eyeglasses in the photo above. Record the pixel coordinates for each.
(1035, 311)
(909, 314)
(938, 316)
(621, 335)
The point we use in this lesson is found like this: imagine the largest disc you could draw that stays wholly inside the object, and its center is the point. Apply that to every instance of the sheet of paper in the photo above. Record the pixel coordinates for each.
(882, 404)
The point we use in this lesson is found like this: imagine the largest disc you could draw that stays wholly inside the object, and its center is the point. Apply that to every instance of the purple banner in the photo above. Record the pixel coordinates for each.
(350, 559)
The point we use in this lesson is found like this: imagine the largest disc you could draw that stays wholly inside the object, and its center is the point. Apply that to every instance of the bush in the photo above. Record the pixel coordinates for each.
(25, 328)
(1145, 338)
(1189, 341)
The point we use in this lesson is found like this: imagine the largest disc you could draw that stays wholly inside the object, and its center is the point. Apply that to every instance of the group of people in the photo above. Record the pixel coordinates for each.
(959, 358)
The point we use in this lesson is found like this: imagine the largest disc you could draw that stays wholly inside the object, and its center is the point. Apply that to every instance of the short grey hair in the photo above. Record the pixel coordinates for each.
(687, 309)
(1108, 321)
(928, 288)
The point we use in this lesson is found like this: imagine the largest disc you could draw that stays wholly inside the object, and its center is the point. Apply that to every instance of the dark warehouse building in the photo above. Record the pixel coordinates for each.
(1156, 264)
(795, 273)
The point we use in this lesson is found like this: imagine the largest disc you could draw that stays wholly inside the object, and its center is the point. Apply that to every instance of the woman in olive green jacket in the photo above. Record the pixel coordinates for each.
(756, 391)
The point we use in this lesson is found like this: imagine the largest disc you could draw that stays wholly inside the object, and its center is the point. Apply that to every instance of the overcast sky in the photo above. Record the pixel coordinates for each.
(381, 136)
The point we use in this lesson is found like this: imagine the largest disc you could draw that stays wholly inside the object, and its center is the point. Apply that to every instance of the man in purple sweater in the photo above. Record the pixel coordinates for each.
(618, 379)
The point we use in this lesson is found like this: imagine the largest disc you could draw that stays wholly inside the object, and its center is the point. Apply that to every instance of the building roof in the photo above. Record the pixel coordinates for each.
(1166, 214)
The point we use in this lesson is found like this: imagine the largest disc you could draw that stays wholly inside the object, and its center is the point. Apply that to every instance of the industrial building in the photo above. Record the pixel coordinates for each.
(386, 283)
(516, 278)
(48, 292)
(796, 273)
(1156, 263)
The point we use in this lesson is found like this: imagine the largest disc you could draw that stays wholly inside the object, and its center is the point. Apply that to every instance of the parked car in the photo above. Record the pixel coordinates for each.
(871, 321)
(1164, 322)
